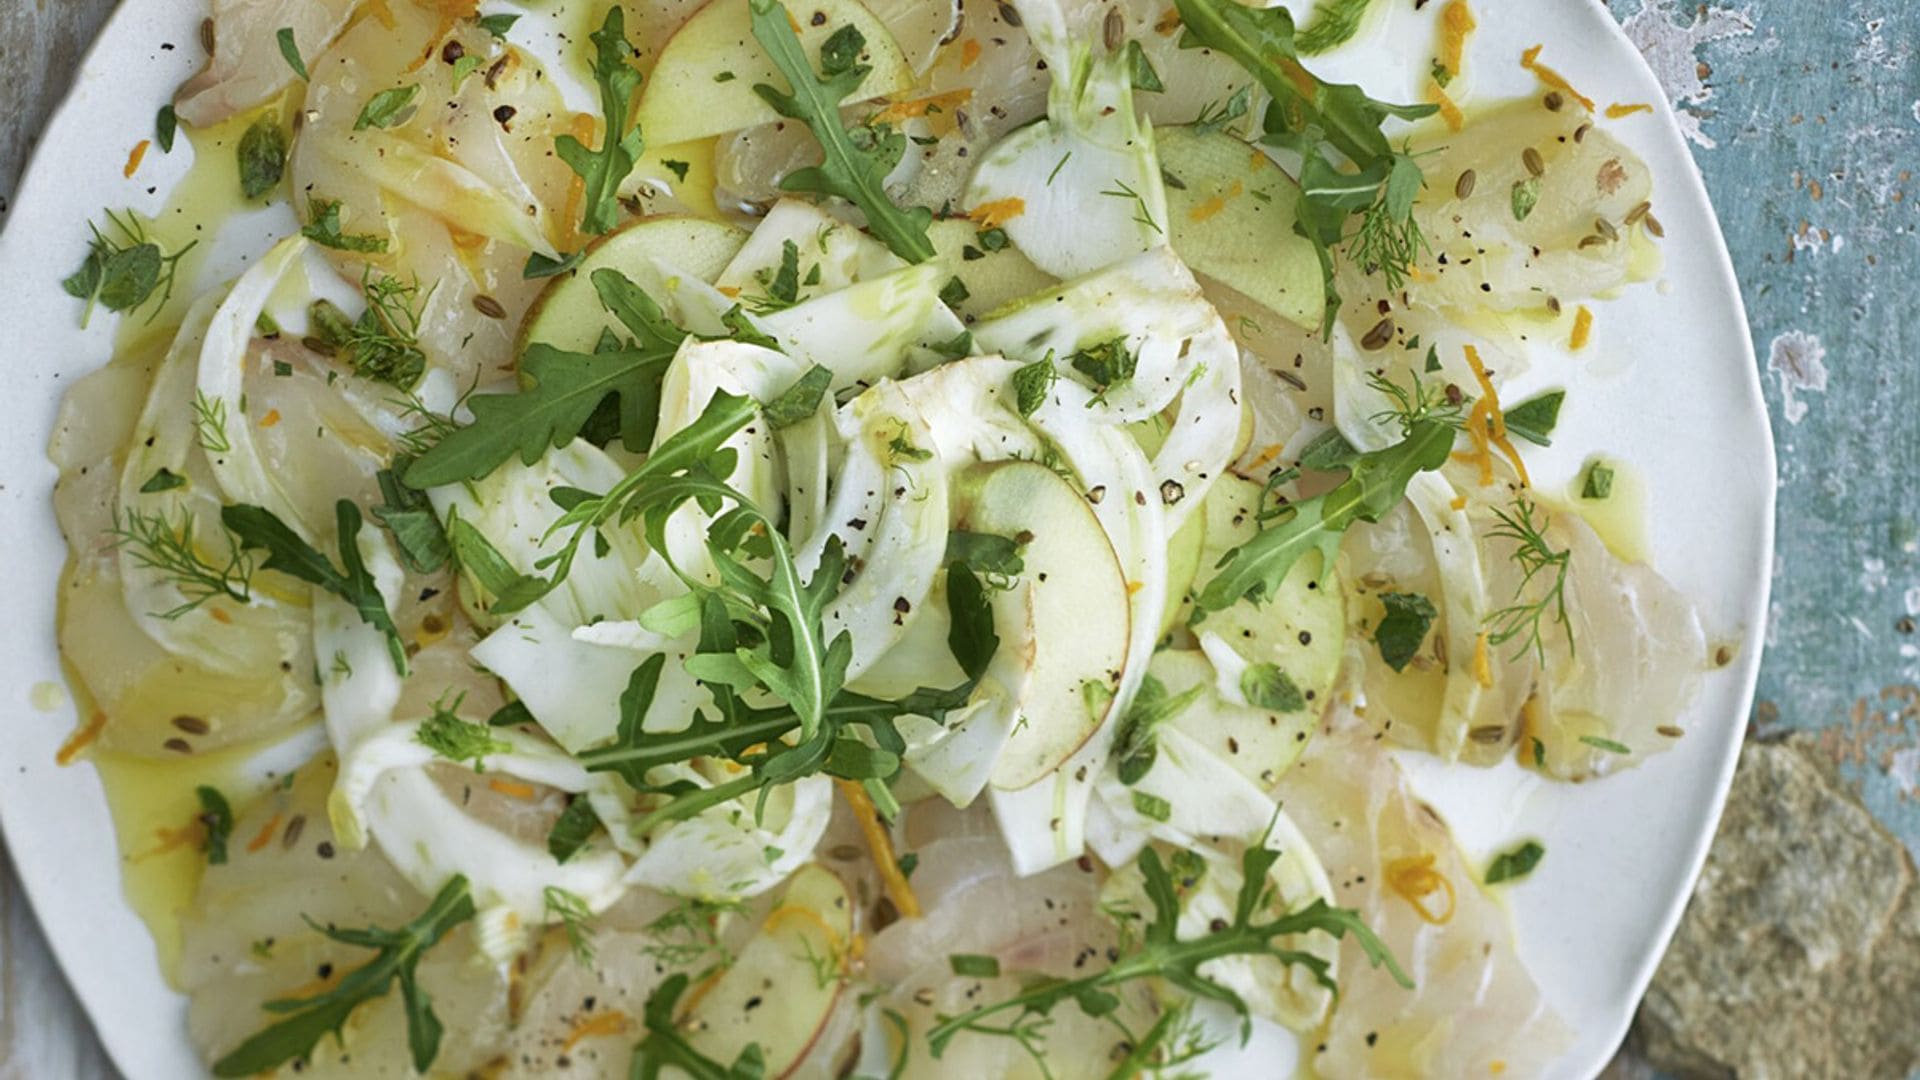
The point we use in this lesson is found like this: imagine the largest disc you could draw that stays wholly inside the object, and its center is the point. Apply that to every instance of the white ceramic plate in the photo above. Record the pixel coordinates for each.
(1669, 384)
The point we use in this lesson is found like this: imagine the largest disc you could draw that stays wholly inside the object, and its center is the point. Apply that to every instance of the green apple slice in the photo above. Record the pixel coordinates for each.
(569, 315)
(1071, 626)
(777, 994)
(703, 84)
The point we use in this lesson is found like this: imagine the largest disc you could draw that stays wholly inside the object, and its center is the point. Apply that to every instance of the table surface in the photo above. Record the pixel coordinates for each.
(1805, 121)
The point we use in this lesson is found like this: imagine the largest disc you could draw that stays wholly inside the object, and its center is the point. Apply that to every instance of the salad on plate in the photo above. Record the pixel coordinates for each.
(818, 538)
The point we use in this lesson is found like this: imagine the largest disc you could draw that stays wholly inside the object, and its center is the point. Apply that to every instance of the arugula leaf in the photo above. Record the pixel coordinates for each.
(665, 1047)
(217, 816)
(410, 518)
(985, 553)
(621, 143)
(562, 391)
(290, 50)
(801, 400)
(572, 830)
(498, 25)
(309, 1019)
(1404, 627)
(383, 109)
(324, 229)
(1163, 955)
(1516, 864)
(853, 170)
(459, 740)
(1375, 483)
(511, 590)
(262, 157)
(256, 527)
(1535, 418)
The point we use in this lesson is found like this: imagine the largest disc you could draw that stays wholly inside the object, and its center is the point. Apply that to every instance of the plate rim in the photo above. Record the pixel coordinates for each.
(38, 879)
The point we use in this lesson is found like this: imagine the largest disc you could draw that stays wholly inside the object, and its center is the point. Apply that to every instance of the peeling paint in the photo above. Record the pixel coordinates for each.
(1670, 38)
(1801, 363)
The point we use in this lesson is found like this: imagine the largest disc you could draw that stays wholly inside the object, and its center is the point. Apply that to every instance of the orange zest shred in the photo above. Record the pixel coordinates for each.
(1415, 879)
(1496, 1068)
(1459, 502)
(992, 215)
(134, 158)
(1267, 455)
(1168, 22)
(583, 128)
(1618, 109)
(1456, 23)
(1449, 111)
(512, 789)
(728, 291)
(171, 839)
(272, 418)
(265, 835)
(1495, 420)
(1531, 61)
(219, 615)
(836, 945)
(907, 110)
(701, 990)
(881, 846)
(1218, 203)
(1482, 662)
(610, 1022)
(380, 11)
(970, 51)
(1582, 329)
(82, 737)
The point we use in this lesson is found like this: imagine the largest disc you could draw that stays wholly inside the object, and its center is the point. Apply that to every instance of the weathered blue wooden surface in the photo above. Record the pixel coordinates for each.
(1807, 124)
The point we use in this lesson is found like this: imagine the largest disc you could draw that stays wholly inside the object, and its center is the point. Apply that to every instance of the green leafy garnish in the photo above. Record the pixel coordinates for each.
(262, 157)
(1599, 481)
(1535, 418)
(383, 344)
(497, 25)
(1266, 686)
(1163, 955)
(621, 142)
(1516, 864)
(974, 966)
(1520, 621)
(166, 124)
(290, 49)
(217, 817)
(163, 479)
(1140, 70)
(324, 229)
(256, 527)
(122, 272)
(571, 911)
(410, 518)
(665, 1046)
(1032, 383)
(1609, 745)
(852, 169)
(458, 740)
(801, 400)
(1348, 165)
(572, 829)
(989, 556)
(169, 549)
(1403, 628)
(309, 1019)
(562, 391)
(1375, 484)
(1107, 364)
(1137, 744)
(1526, 196)
(383, 109)
(679, 169)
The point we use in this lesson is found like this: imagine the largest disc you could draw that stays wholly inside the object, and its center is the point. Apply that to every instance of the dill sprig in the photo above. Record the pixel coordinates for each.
(210, 420)
(1141, 215)
(384, 343)
(1520, 620)
(1416, 402)
(169, 548)
(688, 937)
(572, 912)
(1389, 241)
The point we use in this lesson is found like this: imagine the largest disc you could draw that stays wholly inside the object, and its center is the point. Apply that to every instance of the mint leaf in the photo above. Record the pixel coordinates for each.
(1516, 864)
(1404, 627)
(1535, 418)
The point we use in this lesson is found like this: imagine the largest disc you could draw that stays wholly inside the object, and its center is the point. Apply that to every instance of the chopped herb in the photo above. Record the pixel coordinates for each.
(169, 549)
(851, 169)
(210, 422)
(383, 344)
(465, 66)
(457, 740)
(990, 556)
(991, 239)
(1107, 364)
(1214, 117)
(974, 966)
(954, 292)
(1032, 383)
(1526, 196)
(408, 515)
(1520, 620)
(841, 51)
(498, 25)
(165, 126)
(512, 714)
(256, 527)
(572, 830)
(262, 157)
(1535, 418)
(162, 480)
(1141, 215)
(323, 228)
(1609, 745)
(1152, 806)
(1266, 686)
(1137, 746)
(783, 286)
(1516, 864)
(290, 49)
(123, 272)
(678, 168)
(1403, 628)
(1599, 482)
(1140, 70)
(541, 266)
(572, 912)
(217, 817)
(383, 109)
(309, 1019)
(800, 401)
(1061, 164)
